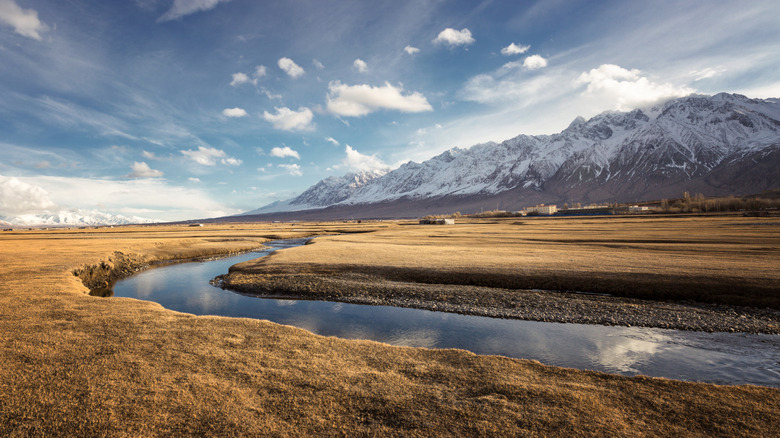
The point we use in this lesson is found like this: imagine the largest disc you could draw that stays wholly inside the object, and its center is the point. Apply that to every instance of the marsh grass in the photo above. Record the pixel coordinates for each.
(76, 365)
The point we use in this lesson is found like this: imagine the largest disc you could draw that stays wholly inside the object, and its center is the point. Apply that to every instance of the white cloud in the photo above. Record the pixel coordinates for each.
(180, 8)
(294, 169)
(234, 112)
(142, 170)
(18, 197)
(512, 85)
(354, 160)
(205, 156)
(150, 155)
(706, 73)
(454, 37)
(514, 49)
(360, 65)
(359, 100)
(289, 120)
(241, 78)
(332, 140)
(411, 50)
(290, 67)
(24, 21)
(269, 95)
(230, 161)
(534, 62)
(624, 89)
(193, 180)
(210, 157)
(284, 152)
(317, 64)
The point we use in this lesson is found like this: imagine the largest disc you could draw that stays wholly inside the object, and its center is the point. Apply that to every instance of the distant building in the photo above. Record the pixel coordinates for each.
(437, 221)
(196, 225)
(542, 209)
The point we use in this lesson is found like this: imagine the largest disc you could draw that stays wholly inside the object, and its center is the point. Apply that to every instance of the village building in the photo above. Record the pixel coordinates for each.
(542, 209)
(437, 221)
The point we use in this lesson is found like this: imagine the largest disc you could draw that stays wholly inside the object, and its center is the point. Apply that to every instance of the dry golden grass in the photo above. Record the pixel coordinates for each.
(728, 260)
(76, 365)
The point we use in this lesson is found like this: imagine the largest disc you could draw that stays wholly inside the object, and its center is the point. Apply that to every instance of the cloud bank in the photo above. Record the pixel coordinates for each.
(18, 197)
(626, 89)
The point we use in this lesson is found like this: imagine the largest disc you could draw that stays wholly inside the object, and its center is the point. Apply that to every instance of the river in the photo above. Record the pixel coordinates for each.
(724, 358)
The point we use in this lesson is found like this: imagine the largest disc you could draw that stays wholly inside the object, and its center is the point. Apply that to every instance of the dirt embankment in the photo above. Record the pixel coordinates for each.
(121, 265)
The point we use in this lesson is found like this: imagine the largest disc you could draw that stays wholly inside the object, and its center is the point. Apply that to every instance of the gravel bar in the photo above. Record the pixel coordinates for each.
(534, 305)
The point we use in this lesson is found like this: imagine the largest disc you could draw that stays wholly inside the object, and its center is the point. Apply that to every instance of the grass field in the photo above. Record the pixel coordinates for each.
(76, 365)
(726, 260)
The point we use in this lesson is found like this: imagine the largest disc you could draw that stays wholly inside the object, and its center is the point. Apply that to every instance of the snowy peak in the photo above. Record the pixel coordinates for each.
(73, 217)
(328, 191)
(336, 189)
(690, 143)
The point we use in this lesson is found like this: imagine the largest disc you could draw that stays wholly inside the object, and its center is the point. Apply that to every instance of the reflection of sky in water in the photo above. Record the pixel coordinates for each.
(720, 357)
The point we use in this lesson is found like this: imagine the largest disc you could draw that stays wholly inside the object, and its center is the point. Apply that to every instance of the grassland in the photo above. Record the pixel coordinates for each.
(72, 364)
(726, 260)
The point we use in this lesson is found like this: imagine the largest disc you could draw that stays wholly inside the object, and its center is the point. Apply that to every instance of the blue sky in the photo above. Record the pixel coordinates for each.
(172, 109)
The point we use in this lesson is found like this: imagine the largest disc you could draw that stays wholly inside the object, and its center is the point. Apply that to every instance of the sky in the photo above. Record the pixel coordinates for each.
(187, 109)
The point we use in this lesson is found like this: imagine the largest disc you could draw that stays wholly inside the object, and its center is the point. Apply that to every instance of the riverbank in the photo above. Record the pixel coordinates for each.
(532, 305)
(72, 364)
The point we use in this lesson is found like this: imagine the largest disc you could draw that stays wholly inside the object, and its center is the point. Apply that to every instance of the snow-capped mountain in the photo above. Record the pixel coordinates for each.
(73, 217)
(716, 145)
(329, 191)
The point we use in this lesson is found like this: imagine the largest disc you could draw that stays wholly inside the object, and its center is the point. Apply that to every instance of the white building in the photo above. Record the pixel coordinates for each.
(542, 209)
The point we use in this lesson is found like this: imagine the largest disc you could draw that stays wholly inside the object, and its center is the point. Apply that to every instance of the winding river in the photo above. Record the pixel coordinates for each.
(724, 358)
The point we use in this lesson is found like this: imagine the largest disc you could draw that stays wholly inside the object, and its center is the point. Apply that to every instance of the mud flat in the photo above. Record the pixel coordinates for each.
(73, 364)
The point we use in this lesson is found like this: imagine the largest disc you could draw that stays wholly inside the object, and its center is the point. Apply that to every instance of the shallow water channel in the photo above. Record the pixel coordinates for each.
(725, 358)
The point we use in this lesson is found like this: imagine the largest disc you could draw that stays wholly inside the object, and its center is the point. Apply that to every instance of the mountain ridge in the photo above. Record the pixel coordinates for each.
(717, 145)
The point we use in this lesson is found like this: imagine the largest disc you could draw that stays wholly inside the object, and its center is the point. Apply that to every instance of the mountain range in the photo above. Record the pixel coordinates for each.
(726, 144)
(70, 218)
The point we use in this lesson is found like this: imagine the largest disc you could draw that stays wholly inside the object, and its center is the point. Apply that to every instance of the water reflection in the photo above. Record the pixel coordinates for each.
(720, 358)
(625, 354)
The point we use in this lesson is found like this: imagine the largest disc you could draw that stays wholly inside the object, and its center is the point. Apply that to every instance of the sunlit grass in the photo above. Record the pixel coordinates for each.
(76, 365)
